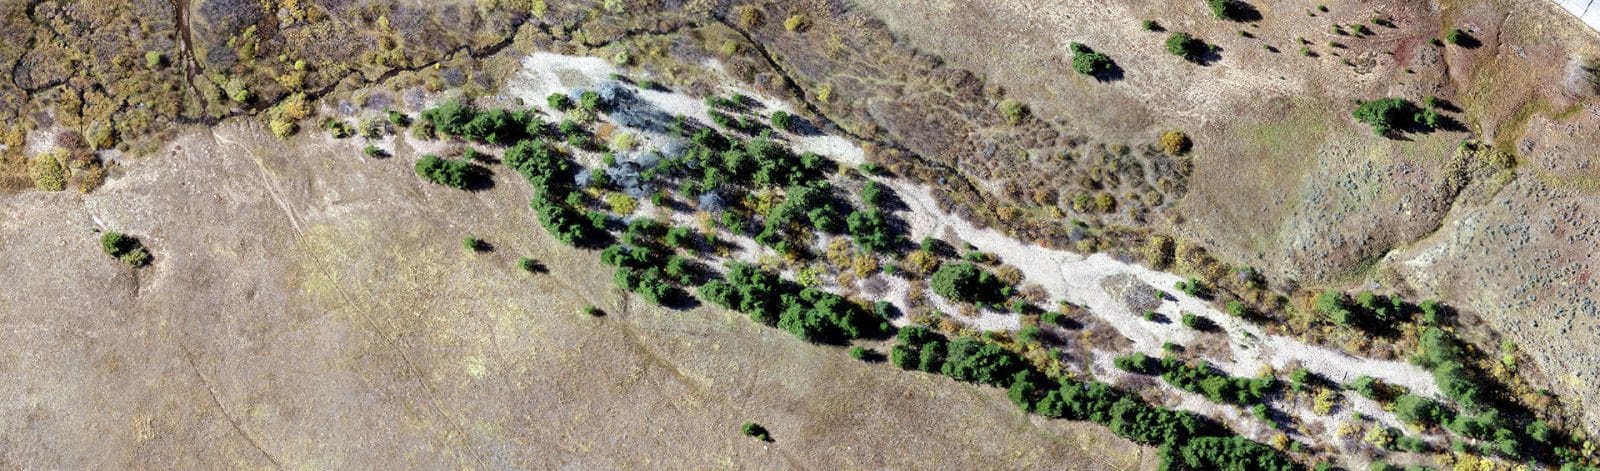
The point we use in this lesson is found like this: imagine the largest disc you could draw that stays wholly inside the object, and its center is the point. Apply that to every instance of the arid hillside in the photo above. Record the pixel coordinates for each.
(530, 233)
(1286, 181)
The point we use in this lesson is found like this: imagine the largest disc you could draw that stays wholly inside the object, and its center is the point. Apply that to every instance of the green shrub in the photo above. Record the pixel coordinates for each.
(1366, 386)
(475, 244)
(964, 282)
(1299, 378)
(755, 430)
(1457, 37)
(1188, 47)
(559, 101)
(973, 360)
(1014, 111)
(1151, 25)
(1419, 410)
(1387, 115)
(126, 248)
(458, 174)
(810, 314)
(871, 230)
(1089, 62)
(782, 120)
(1030, 334)
(399, 119)
(1231, 10)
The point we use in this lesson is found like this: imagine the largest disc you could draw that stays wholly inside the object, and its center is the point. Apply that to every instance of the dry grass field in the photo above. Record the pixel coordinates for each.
(311, 308)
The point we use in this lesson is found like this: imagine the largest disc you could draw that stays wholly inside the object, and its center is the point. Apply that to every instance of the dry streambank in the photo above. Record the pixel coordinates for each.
(1091, 282)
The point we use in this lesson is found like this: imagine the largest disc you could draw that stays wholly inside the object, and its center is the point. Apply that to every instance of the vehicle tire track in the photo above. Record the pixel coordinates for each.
(394, 343)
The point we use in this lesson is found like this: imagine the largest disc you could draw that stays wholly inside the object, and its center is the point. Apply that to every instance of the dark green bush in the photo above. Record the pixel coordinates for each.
(813, 315)
(458, 174)
(782, 121)
(1387, 115)
(871, 230)
(965, 282)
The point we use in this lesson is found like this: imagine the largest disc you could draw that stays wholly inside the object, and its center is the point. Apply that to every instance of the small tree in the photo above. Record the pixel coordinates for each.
(960, 281)
(1231, 10)
(559, 101)
(126, 248)
(1188, 47)
(782, 120)
(1088, 62)
(1013, 111)
(755, 430)
(1386, 115)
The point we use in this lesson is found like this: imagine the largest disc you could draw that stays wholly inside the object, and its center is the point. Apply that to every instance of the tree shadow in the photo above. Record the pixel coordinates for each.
(804, 127)
(1112, 73)
(535, 267)
(477, 178)
(873, 356)
(679, 299)
(1210, 55)
(1242, 12)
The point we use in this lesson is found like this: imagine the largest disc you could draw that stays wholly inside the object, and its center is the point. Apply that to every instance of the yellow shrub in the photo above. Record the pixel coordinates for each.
(748, 16)
(295, 108)
(281, 127)
(1175, 142)
(621, 203)
(47, 172)
(796, 23)
(864, 265)
(1324, 401)
(839, 251)
(920, 263)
